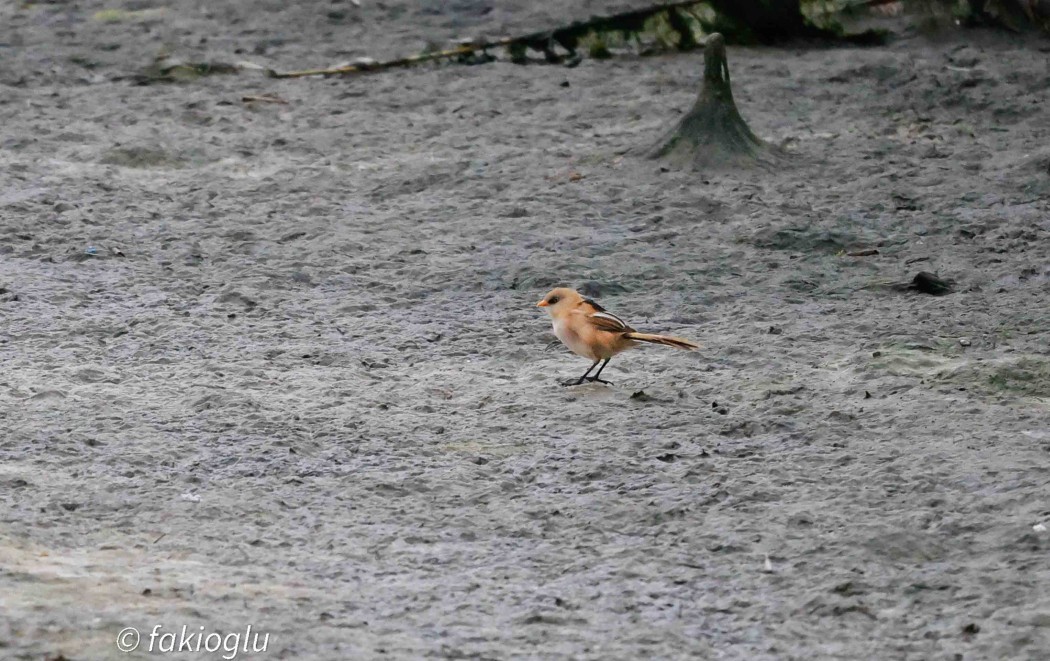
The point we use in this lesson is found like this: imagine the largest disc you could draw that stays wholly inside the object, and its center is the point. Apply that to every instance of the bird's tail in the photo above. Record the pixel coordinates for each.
(666, 340)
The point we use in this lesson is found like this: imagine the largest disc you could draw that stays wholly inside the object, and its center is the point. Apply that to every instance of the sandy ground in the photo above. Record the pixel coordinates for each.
(279, 365)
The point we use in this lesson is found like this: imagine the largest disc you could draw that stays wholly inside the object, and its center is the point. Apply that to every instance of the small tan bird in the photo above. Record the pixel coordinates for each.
(589, 331)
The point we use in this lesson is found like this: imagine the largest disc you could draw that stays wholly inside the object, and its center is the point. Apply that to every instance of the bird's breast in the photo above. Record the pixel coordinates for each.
(572, 339)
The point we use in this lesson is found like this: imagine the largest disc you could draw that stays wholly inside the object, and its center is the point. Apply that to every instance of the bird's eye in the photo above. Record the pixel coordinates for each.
(552, 300)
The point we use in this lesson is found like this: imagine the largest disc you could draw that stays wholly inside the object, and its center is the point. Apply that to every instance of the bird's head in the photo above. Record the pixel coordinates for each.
(559, 299)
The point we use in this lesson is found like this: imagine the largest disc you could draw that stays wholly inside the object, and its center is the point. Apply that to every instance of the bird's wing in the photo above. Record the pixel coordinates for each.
(609, 322)
(602, 320)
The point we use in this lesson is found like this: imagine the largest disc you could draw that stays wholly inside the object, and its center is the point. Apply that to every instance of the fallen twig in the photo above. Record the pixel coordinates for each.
(568, 37)
(681, 25)
(263, 98)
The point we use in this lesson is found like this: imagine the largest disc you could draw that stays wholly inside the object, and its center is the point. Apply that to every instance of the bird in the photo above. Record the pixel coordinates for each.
(588, 330)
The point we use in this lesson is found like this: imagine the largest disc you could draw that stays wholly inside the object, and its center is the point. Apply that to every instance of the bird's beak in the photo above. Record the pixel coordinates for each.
(542, 304)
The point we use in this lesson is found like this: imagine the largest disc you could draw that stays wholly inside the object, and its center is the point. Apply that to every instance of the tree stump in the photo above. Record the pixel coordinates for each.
(713, 135)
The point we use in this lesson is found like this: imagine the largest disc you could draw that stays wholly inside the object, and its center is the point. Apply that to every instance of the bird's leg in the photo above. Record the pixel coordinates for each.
(576, 382)
(598, 373)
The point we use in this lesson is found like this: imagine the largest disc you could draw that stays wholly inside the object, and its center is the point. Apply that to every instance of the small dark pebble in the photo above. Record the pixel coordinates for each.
(971, 629)
(928, 283)
(867, 395)
(70, 507)
(776, 330)
(667, 457)
(147, 592)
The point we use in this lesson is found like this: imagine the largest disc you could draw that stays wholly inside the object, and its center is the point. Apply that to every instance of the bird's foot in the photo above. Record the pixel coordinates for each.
(585, 379)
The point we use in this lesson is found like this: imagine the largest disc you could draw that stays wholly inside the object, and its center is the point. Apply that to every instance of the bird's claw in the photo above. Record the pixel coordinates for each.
(586, 379)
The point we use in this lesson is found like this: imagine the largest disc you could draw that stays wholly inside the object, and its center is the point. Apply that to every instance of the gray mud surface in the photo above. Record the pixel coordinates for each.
(280, 365)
